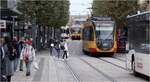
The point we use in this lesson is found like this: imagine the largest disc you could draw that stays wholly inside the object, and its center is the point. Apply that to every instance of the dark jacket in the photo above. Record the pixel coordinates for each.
(9, 63)
(57, 46)
(51, 41)
(20, 47)
(15, 45)
(2, 64)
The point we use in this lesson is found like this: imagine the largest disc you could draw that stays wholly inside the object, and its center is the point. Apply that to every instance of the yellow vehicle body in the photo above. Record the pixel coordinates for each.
(75, 36)
(91, 46)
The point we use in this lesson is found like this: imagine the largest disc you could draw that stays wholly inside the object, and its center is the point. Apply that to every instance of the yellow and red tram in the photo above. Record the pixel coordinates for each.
(75, 33)
(99, 35)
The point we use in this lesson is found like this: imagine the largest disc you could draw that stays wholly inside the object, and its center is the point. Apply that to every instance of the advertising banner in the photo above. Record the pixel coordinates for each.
(2, 24)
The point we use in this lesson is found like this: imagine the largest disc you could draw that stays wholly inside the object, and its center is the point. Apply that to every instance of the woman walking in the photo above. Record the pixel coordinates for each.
(57, 47)
(8, 47)
(3, 77)
(28, 55)
(65, 50)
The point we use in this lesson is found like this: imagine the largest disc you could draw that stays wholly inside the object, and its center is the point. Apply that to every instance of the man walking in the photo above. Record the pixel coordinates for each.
(57, 47)
(15, 45)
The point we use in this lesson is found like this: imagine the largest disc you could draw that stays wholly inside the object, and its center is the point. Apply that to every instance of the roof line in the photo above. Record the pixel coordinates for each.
(147, 12)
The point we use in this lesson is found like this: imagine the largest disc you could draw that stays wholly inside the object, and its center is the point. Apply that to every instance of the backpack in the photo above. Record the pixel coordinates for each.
(20, 47)
(13, 55)
(27, 56)
(57, 46)
(62, 47)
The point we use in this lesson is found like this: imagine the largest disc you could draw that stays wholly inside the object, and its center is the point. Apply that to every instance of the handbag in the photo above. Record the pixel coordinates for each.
(52, 45)
(26, 58)
(35, 65)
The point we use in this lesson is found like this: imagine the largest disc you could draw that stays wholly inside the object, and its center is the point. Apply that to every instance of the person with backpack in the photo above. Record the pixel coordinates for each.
(10, 56)
(28, 55)
(57, 47)
(21, 45)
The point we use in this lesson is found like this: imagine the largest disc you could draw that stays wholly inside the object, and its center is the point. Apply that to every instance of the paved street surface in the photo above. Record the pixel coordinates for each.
(78, 68)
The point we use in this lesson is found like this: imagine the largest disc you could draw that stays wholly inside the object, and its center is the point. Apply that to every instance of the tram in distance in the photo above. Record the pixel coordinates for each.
(138, 43)
(75, 33)
(99, 35)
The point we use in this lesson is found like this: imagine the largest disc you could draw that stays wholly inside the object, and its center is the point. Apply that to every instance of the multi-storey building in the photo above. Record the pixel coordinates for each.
(9, 14)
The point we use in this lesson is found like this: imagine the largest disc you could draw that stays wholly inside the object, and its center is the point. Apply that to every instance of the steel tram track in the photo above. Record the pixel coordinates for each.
(75, 76)
(99, 71)
(113, 64)
(119, 59)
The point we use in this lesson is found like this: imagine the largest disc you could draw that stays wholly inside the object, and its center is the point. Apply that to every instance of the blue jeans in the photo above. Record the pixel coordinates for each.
(58, 53)
(28, 66)
(51, 51)
(15, 64)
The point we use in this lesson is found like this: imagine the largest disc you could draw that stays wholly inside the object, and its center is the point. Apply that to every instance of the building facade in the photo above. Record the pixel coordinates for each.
(9, 14)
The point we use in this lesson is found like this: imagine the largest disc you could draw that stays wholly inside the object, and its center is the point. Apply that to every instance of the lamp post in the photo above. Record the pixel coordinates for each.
(13, 26)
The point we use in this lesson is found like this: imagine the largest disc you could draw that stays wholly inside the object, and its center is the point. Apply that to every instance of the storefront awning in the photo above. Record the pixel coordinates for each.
(9, 12)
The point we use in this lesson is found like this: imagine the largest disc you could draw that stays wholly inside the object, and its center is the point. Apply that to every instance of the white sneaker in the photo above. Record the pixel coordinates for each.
(17, 70)
(62, 59)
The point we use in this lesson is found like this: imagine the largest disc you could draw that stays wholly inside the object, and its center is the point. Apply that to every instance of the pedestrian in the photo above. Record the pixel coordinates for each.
(65, 50)
(8, 47)
(62, 44)
(51, 45)
(57, 47)
(16, 52)
(28, 55)
(21, 45)
(32, 43)
(3, 77)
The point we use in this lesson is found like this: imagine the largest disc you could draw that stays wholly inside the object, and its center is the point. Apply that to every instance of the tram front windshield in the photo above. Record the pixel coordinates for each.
(104, 32)
(76, 30)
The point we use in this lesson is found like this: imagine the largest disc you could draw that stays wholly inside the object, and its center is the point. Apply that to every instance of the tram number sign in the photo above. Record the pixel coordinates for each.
(2, 24)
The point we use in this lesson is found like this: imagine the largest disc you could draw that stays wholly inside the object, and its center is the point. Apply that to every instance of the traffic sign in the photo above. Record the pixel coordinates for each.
(2, 24)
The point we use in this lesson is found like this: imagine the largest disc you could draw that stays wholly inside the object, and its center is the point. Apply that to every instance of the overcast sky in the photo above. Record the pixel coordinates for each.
(79, 6)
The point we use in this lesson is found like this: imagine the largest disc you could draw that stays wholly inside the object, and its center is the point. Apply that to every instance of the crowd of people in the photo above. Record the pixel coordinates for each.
(59, 45)
(13, 54)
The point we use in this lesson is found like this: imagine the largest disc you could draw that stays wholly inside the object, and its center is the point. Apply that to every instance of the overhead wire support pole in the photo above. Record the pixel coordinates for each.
(91, 9)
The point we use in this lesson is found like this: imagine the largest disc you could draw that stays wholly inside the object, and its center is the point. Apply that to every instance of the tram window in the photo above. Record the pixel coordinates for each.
(83, 34)
(148, 39)
(139, 38)
(86, 33)
(91, 34)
